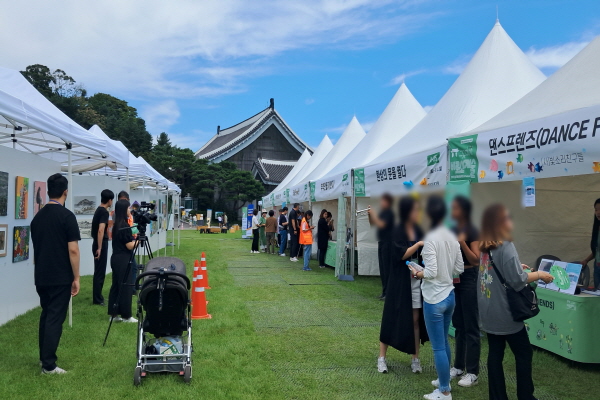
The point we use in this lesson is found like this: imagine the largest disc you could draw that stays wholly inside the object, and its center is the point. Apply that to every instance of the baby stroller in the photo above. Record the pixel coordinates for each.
(164, 314)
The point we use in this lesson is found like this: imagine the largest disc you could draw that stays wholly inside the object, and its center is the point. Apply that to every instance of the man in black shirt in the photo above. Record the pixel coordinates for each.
(294, 231)
(385, 228)
(100, 244)
(55, 236)
(283, 231)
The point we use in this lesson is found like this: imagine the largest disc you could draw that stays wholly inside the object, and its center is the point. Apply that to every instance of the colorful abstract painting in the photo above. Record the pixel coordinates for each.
(40, 196)
(3, 240)
(20, 243)
(3, 194)
(21, 196)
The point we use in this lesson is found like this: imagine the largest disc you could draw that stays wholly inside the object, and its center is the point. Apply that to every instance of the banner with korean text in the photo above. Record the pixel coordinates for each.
(298, 194)
(331, 188)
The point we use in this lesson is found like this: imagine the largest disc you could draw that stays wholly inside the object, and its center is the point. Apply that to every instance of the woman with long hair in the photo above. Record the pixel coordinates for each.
(123, 244)
(442, 260)
(330, 224)
(466, 314)
(306, 238)
(402, 324)
(496, 318)
(322, 237)
(595, 254)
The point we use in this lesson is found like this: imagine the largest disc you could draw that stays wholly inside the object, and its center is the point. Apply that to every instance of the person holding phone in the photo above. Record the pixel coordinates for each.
(306, 238)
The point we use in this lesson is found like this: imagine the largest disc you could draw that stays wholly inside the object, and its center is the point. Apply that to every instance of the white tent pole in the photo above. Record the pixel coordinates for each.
(128, 186)
(173, 216)
(71, 193)
(352, 221)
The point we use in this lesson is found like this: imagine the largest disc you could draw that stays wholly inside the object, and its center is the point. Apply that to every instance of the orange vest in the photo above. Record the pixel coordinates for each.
(305, 237)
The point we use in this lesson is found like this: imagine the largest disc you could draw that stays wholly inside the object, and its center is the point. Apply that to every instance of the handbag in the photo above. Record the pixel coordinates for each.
(523, 304)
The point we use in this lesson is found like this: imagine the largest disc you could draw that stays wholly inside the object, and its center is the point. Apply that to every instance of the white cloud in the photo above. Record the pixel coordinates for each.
(457, 66)
(308, 102)
(188, 48)
(402, 77)
(191, 141)
(161, 116)
(555, 56)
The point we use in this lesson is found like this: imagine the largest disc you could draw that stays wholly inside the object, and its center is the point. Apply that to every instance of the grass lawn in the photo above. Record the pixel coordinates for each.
(276, 333)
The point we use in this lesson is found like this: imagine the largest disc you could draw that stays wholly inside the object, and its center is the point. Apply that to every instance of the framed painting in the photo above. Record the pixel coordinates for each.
(3, 240)
(40, 196)
(84, 205)
(3, 194)
(20, 243)
(21, 196)
(85, 228)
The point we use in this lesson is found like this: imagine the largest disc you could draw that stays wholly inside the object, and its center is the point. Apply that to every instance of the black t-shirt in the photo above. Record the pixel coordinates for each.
(52, 228)
(120, 239)
(100, 217)
(386, 234)
(472, 236)
(282, 221)
(293, 216)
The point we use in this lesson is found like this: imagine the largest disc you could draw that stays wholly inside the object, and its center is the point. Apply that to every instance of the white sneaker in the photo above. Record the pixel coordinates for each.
(381, 365)
(130, 320)
(56, 370)
(468, 380)
(283, 255)
(116, 319)
(294, 259)
(455, 372)
(436, 384)
(437, 395)
(415, 365)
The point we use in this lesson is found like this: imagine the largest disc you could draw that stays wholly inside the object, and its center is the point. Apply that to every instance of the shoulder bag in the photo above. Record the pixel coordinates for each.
(523, 304)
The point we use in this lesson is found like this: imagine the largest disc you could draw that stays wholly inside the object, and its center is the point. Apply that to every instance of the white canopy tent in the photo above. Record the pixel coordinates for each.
(277, 196)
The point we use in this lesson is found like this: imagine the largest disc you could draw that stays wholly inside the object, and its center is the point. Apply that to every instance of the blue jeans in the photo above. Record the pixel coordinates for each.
(307, 252)
(437, 321)
(283, 242)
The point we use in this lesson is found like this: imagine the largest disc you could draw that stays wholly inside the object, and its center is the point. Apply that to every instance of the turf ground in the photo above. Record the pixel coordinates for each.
(276, 333)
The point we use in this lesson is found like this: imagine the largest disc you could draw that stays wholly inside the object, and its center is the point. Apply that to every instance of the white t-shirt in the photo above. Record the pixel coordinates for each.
(255, 222)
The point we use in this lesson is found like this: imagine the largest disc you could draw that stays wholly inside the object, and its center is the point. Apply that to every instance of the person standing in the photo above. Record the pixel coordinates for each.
(402, 323)
(497, 250)
(220, 219)
(385, 228)
(255, 228)
(123, 244)
(294, 231)
(595, 246)
(55, 236)
(225, 221)
(466, 313)
(271, 230)
(100, 244)
(442, 259)
(322, 237)
(306, 238)
(262, 223)
(330, 223)
(283, 231)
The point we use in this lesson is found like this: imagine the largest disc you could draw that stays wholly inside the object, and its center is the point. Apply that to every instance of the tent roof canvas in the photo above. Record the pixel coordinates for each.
(319, 155)
(498, 75)
(297, 168)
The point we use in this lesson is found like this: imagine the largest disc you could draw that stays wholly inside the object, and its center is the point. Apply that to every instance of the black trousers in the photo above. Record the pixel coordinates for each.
(294, 245)
(322, 253)
(255, 233)
(55, 302)
(99, 273)
(521, 348)
(384, 253)
(466, 322)
(118, 264)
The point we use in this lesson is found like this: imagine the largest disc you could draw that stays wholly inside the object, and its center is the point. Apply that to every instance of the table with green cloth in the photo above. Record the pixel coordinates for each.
(567, 325)
(331, 253)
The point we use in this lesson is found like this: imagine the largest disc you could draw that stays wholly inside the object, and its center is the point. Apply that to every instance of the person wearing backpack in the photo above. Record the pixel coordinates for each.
(500, 263)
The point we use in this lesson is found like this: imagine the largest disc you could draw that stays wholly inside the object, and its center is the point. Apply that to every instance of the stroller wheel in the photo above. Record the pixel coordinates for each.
(137, 376)
(187, 374)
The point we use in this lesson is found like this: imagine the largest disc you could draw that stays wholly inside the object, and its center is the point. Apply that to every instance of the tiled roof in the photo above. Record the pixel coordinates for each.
(272, 172)
(234, 136)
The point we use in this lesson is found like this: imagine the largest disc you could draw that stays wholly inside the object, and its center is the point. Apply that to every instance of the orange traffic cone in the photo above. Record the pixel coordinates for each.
(199, 310)
(195, 277)
(203, 273)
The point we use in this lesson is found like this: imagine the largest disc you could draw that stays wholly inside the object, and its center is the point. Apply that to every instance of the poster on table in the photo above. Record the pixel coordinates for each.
(426, 170)
(331, 188)
(566, 275)
(560, 145)
(298, 194)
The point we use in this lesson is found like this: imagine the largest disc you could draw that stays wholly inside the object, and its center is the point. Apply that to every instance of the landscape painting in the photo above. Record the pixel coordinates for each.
(40, 196)
(85, 228)
(20, 243)
(3, 240)
(84, 205)
(21, 196)
(3, 194)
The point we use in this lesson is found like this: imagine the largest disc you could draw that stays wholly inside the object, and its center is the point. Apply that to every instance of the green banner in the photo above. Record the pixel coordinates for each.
(272, 199)
(287, 195)
(433, 159)
(567, 325)
(463, 158)
(331, 253)
(312, 188)
(360, 189)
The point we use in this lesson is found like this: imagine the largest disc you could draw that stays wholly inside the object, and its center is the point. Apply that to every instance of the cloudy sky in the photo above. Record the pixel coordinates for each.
(190, 65)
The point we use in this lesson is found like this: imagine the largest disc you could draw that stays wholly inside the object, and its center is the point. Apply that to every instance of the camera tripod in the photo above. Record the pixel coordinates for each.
(140, 242)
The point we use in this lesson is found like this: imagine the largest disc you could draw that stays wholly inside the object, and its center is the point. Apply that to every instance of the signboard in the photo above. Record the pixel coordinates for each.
(249, 220)
(332, 187)
(298, 194)
(560, 145)
(463, 158)
(406, 174)
(359, 182)
(244, 221)
(312, 191)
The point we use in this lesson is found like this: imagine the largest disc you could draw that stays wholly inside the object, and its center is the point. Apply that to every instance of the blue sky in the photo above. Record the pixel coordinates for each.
(189, 66)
